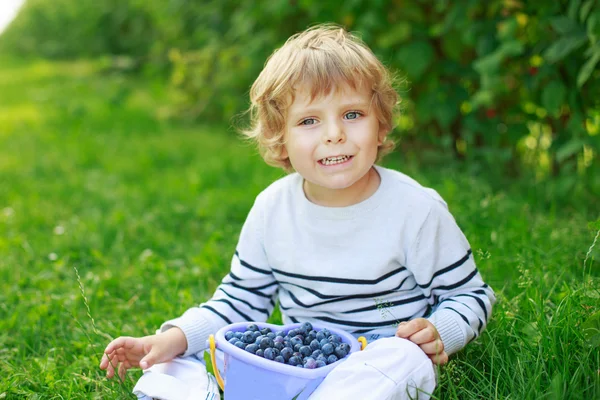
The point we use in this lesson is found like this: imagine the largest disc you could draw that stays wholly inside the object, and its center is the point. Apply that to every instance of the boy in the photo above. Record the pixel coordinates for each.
(341, 236)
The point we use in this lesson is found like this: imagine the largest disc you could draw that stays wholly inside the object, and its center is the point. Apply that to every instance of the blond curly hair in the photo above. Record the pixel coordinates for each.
(326, 57)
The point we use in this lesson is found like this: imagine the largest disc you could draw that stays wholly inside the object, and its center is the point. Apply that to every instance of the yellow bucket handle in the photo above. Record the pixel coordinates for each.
(211, 340)
(213, 359)
(363, 342)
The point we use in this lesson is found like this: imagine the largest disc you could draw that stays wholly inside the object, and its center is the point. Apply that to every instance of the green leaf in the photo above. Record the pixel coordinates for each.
(564, 25)
(585, 10)
(415, 58)
(553, 96)
(564, 46)
(208, 363)
(587, 69)
(591, 329)
(568, 149)
(489, 64)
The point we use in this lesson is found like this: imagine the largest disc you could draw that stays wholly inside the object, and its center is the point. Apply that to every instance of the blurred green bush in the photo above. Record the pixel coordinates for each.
(503, 83)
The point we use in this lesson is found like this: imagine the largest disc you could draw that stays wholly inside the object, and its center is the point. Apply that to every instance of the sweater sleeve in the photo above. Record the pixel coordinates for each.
(247, 293)
(442, 262)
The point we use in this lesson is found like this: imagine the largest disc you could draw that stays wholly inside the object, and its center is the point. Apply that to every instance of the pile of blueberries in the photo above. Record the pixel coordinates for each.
(302, 347)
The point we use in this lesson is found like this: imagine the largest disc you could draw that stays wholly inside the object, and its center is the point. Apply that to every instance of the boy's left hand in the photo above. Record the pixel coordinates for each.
(422, 332)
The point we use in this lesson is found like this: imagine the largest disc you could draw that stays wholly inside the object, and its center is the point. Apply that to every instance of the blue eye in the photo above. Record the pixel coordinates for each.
(308, 121)
(352, 115)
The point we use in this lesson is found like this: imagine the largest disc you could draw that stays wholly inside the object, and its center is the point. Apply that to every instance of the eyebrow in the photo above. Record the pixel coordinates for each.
(312, 110)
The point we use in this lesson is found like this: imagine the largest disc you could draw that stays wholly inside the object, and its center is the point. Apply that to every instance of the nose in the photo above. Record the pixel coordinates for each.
(334, 133)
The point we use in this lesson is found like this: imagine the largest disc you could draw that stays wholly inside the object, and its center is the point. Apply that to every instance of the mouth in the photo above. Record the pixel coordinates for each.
(335, 160)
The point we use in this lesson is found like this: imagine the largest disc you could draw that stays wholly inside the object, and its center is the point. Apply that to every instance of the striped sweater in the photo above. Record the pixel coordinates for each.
(396, 256)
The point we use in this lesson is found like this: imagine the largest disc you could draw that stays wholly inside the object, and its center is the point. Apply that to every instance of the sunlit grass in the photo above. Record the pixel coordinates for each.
(148, 213)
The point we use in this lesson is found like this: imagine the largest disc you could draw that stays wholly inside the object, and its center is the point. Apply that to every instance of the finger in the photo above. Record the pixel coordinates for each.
(104, 361)
(432, 348)
(149, 359)
(423, 336)
(439, 359)
(123, 341)
(407, 329)
(110, 370)
(122, 371)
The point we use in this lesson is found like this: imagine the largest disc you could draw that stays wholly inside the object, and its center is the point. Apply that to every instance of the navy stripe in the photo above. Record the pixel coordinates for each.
(216, 312)
(361, 324)
(253, 268)
(479, 301)
(251, 290)
(338, 299)
(341, 280)
(262, 310)
(470, 309)
(447, 269)
(387, 304)
(294, 320)
(457, 284)
(462, 316)
(243, 315)
(234, 277)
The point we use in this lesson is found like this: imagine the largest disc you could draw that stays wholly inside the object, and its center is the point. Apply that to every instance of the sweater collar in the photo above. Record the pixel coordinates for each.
(307, 207)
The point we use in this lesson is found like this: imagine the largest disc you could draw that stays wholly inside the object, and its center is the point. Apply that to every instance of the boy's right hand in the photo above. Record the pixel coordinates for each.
(128, 352)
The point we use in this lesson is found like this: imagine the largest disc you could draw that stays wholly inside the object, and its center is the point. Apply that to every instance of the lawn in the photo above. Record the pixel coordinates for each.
(113, 218)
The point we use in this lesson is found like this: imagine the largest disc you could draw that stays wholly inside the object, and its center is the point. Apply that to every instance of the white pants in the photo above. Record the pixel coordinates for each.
(388, 369)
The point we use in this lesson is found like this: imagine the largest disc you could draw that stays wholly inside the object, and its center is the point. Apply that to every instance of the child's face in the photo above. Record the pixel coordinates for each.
(333, 140)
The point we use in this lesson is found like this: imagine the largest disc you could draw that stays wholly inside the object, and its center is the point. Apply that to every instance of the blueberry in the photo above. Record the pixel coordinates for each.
(280, 333)
(305, 351)
(269, 354)
(326, 332)
(286, 353)
(266, 342)
(320, 363)
(340, 352)
(322, 358)
(335, 339)
(265, 330)
(229, 335)
(260, 353)
(292, 333)
(315, 345)
(296, 340)
(252, 327)
(331, 359)
(316, 353)
(251, 348)
(278, 346)
(240, 344)
(327, 349)
(256, 334)
(248, 337)
(233, 340)
(293, 361)
(279, 359)
(271, 335)
(239, 335)
(307, 326)
(310, 363)
(320, 336)
(323, 342)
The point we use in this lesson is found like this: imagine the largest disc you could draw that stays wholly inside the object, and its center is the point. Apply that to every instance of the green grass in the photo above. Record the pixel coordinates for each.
(95, 182)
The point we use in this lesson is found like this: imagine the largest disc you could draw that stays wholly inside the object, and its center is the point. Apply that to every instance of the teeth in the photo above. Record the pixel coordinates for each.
(334, 160)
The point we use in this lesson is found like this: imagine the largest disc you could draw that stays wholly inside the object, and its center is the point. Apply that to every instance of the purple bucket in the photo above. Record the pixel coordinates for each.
(250, 377)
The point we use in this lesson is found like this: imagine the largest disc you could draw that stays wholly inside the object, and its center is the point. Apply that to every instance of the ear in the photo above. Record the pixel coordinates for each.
(381, 135)
(284, 154)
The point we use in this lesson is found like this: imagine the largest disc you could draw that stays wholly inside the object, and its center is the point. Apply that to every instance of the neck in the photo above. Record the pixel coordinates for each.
(360, 191)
